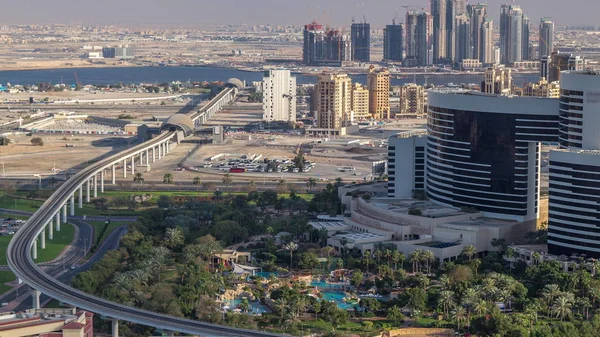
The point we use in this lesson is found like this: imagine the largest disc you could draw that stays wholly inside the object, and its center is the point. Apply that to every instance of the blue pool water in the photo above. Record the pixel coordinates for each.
(337, 297)
(255, 307)
(323, 284)
(265, 274)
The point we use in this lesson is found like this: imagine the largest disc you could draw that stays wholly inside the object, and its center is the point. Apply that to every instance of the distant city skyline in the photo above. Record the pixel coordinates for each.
(286, 12)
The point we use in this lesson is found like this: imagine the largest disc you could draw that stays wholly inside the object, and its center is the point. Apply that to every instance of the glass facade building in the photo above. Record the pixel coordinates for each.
(483, 151)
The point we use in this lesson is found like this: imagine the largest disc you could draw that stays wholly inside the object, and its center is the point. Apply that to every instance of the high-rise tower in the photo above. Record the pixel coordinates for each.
(361, 41)
(438, 12)
(487, 42)
(512, 34)
(546, 37)
(419, 26)
(477, 15)
(393, 42)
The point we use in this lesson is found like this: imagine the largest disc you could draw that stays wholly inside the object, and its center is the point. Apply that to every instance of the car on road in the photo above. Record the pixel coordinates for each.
(73, 267)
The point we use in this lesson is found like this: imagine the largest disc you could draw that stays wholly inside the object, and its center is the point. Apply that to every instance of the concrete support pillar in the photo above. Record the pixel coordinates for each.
(35, 296)
(57, 221)
(102, 181)
(50, 230)
(147, 158)
(64, 213)
(160, 154)
(95, 185)
(115, 327)
(43, 239)
(141, 158)
(167, 146)
(72, 204)
(34, 252)
(124, 168)
(133, 165)
(153, 154)
(114, 179)
(87, 191)
(80, 196)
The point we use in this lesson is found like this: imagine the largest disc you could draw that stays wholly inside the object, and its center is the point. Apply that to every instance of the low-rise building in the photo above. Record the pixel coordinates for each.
(412, 100)
(47, 323)
(542, 89)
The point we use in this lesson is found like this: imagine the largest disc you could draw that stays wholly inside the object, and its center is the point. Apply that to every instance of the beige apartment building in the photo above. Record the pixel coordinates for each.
(542, 89)
(333, 101)
(413, 100)
(360, 102)
(498, 80)
(378, 83)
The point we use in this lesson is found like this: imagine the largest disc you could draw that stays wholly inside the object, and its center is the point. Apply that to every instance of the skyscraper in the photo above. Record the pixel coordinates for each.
(393, 42)
(361, 42)
(419, 26)
(454, 8)
(360, 101)
(334, 101)
(512, 34)
(312, 49)
(487, 42)
(462, 38)
(546, 37)
(378, 83)
(477, 15)
(279, 90)
(525, 42)
(438, 12)
(325, 47)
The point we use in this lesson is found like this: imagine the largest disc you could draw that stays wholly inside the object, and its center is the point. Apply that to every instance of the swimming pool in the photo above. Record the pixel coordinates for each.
(266, 274)
(325, 285)
(255, 307)
(338, 298)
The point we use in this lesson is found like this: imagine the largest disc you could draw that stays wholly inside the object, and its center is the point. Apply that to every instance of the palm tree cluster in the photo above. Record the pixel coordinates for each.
(421, 260)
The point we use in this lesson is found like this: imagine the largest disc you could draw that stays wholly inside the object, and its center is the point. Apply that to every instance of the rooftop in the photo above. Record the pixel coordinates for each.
(329, 225)
(427, 208)
(476, 224)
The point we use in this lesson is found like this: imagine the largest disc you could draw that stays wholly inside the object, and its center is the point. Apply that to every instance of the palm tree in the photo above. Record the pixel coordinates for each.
(227, 180)
(469, 251)
(445, 281)
(550, 293)
(338, 182)
(459, 314)
(311, 183)
(251, 186)
(367, 257)
(197, 182)
(480, 308)
(138, 178)
(174, 237)
(344, 244)
(446, 301)
(281, 185)
(396, 258)
(562, 307)
(168, 178)
(291, 247)
(217, 195)
(281, 304)
(415, 258)
(429, 258)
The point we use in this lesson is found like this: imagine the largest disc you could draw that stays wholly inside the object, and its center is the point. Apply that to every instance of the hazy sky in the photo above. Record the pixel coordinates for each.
(210, 12)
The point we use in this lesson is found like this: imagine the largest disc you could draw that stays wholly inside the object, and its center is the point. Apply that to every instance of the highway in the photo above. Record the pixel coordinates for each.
(20, 260)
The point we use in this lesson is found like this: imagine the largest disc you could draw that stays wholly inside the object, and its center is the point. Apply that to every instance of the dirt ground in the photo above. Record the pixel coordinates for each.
(22, 158)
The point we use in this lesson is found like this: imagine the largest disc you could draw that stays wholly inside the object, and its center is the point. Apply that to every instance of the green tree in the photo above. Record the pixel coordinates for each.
(299, 161)
(395, 315)
(197, 182)
(168, 178)
(469, 251)
(357, 278)
(227, 181)
(291, 247)
(138, 178)
(562, 307)
(458, 315)
(4, 141)
(163, 201)
(311, 183)
(309, 260)
(446, 301)
(174, 237)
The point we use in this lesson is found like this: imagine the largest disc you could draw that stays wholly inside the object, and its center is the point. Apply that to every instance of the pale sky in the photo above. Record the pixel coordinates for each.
(211, 12)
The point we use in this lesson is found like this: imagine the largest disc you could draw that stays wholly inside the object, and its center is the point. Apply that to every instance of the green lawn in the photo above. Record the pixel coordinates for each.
(156, 194)
(21, 204)
(5, 276)
(53, 247)
(18, 217)
(99, 225)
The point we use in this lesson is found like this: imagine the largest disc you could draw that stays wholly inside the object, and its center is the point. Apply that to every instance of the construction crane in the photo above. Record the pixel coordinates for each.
(77, 81)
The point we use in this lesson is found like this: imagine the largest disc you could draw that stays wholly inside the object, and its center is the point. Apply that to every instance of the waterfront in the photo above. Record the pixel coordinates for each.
(156, 75)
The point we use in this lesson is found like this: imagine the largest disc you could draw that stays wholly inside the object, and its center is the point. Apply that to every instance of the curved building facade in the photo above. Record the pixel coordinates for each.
(483, 151)
(574, 211)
